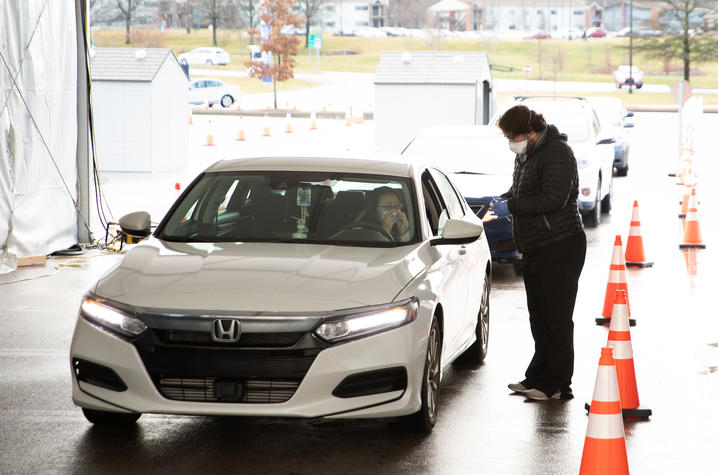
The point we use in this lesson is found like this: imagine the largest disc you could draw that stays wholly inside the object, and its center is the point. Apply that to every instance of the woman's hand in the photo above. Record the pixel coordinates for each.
(402, 223)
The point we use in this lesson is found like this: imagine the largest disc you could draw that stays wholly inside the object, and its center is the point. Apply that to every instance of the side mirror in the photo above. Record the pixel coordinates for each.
(628, 125)
(458, 231)
(606, 141)
(136, 224)
(630, 114)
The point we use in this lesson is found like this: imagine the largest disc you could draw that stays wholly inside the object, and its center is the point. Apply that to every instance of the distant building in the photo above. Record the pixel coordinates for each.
(346, 17)
(648, 15)
(520, 15)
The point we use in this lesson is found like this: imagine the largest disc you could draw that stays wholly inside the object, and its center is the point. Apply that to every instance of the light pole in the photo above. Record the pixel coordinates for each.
(630, 49)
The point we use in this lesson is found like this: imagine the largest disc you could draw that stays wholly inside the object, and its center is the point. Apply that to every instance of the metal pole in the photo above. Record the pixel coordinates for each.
(83, 137)
(630, 49)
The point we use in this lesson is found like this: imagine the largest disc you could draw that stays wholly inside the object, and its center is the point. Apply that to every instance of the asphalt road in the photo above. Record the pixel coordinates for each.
(482, 428)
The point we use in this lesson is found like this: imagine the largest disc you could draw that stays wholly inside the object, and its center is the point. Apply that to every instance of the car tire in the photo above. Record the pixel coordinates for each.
(618, 86)
(226, 100)
(209, 63)
(593, 218)
(622, 171)
(639, 86)
(107, 418)
(476, 353)
(607, 201)
(424, 420)
(518, 268)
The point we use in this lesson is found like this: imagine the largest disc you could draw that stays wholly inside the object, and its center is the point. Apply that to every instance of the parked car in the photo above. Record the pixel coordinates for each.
(538, 35)
(480, 163)
(593, 150)
(626, 75)
(595, 32)
(205, 56)
(263, 292)
(612, 114)
(213, 91)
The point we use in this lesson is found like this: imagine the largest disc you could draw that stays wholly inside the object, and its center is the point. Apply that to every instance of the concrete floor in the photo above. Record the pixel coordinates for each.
(482, 428)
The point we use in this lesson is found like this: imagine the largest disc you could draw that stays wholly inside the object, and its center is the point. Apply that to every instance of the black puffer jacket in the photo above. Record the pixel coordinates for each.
(544, 194)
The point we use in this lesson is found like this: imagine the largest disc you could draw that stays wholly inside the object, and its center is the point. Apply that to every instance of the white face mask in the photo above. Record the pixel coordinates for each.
(518, 147)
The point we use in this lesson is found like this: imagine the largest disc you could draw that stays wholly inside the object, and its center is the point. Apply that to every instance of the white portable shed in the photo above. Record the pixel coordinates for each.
(419, 89)
(140, 103)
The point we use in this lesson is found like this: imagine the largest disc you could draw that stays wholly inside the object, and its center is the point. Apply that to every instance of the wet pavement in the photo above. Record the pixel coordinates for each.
(482, 428)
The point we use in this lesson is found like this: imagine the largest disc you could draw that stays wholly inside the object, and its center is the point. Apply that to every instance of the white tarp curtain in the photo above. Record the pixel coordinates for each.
(38, 127)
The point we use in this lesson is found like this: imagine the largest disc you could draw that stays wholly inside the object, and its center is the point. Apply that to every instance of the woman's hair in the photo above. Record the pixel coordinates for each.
(373, 199)
(521, 120)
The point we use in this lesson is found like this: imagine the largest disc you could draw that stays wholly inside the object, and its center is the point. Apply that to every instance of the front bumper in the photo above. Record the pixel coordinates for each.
(402, 347)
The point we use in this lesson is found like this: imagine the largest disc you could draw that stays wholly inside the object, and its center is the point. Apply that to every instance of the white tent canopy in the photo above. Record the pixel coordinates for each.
(38, 128)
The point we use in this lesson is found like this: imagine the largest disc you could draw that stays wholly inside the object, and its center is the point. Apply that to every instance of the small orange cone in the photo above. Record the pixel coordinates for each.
(604, 450)
(313, 121)
(288, 125)
(209, 140)
(616, 281)
(206, 105)
(265, 131)
(190, 115)
(239, 108)
(240, 133)
(347, 119)
(619, 338)
(634, 245)
(692, 228)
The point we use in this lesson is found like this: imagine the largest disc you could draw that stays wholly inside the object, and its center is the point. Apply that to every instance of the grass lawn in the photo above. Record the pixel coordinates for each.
(562, 60)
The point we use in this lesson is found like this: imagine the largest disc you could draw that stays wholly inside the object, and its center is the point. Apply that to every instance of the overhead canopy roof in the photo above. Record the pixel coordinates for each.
(433, 67)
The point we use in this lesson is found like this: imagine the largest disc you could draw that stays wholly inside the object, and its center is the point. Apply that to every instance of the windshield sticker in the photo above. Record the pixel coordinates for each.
(304, 194)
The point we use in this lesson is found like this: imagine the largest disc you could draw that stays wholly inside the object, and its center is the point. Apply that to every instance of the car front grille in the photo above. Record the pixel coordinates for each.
(202, 390)
(247, 340)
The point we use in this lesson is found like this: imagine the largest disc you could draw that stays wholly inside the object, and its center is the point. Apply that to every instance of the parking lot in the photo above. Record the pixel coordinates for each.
(482, 427)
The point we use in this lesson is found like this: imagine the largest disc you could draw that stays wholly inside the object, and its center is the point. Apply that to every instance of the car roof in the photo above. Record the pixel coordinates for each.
(373, 164)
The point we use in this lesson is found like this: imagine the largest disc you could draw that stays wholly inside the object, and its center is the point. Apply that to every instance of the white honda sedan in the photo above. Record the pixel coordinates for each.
(336, 287)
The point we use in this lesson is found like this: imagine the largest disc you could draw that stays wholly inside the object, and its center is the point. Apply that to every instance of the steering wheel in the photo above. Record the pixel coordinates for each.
(367, 225)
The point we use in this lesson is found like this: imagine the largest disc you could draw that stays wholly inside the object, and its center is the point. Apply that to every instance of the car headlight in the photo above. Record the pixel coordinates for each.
(100, 313)
(368, 321)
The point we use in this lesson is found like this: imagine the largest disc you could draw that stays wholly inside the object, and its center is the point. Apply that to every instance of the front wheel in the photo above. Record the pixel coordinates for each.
(593, 218)
(607, 201)
(477, 352)
(425, 419)
(107, 418)
(226, 100)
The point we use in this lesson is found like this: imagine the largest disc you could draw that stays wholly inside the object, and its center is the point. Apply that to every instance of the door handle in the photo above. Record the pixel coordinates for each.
(462, 251)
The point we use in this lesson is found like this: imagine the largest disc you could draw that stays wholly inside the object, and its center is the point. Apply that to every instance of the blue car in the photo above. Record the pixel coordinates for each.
(480, 164)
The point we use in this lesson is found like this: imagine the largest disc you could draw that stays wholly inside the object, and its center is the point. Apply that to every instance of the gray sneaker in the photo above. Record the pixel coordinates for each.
(518, 388)
(538, 395)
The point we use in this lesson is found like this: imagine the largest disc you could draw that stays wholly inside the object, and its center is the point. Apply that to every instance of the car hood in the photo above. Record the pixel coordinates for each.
(476, 186)
(262, 277)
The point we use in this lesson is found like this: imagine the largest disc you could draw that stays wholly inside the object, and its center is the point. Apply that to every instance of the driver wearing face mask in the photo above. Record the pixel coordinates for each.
(548, 231)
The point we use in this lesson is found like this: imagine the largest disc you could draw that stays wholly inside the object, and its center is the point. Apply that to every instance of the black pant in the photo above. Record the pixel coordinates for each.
(551, 278)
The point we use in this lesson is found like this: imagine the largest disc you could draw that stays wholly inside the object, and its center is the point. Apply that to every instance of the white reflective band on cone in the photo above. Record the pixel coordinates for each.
(617, 276)
(691, 216)
(605, 426)
(634, 231)
(606, 388)
(622, 350)
(619, 322)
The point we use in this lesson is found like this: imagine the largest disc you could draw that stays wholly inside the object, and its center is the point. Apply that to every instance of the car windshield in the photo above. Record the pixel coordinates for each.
(304, 207)
(608, 114)
(465, 154)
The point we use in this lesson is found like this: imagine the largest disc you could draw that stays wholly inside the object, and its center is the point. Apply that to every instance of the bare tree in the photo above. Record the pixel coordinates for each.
(218, 12)
(248, 10)
(186, 14)
(127, 8)
(277, 14)
(681, 21)
(309, 10)
(409, 13)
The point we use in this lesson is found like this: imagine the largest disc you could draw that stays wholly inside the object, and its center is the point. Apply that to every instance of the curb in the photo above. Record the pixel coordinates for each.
(277, 113)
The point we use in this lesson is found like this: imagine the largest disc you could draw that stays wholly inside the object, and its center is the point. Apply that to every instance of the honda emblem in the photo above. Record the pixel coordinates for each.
(226, 330)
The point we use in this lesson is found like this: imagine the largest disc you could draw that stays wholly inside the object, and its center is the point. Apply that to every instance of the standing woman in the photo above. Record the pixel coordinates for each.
(549, 233)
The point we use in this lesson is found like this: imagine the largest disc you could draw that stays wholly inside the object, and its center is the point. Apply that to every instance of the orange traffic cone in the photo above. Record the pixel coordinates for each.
(348, 119)
(616, 281)
(288, 125)
(240, 132)
(209, 140)
(190, 115)
(265, 131)
(634, 245)
(692, 228)
(604, 450)
(313, 121)
(206, 105)
(619, 338)
(239, 108)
